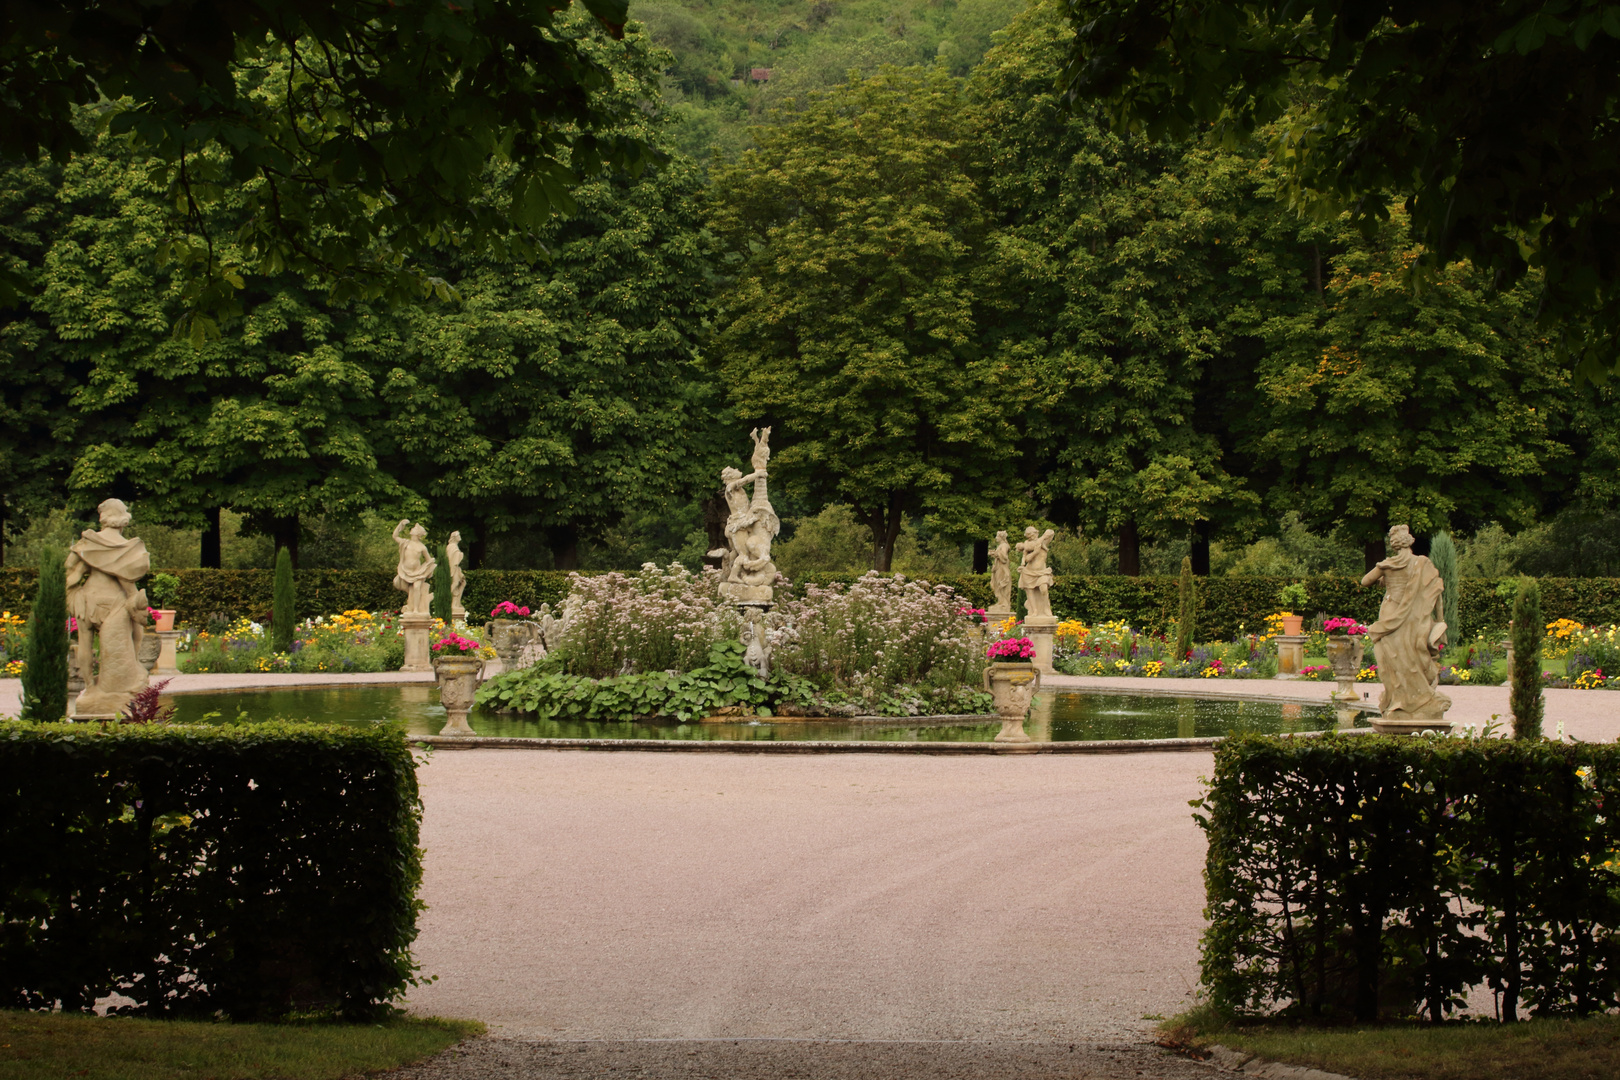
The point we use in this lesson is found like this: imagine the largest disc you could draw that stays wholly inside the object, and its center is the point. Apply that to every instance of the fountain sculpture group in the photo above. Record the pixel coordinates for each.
(747, 574)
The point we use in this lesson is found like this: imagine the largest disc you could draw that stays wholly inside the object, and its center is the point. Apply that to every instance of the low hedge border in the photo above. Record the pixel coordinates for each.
(1377, 876)
(1226, 605)
(254, 870)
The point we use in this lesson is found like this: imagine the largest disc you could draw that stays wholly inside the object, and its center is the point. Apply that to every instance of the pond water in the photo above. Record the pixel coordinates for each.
(1065, 716)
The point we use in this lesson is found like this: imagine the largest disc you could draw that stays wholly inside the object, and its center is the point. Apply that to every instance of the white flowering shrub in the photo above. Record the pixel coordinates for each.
(880, 631)
(652, 620)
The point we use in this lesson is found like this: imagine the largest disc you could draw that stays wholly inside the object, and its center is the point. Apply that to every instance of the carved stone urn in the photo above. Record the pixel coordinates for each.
(458, 675)
(1012, 686)
(509, 636)
(147, 654)
(1344, 656)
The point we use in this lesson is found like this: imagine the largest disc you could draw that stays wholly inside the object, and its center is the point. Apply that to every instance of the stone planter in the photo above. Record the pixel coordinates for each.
(147, 654)
(458, 675)
(510, 636)
(1344, 656)
(165, 619)
(1012, 686)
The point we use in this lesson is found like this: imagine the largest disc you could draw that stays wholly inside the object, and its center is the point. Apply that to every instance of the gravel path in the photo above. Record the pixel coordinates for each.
(512, 1059)
(890, 897)
(659, 915)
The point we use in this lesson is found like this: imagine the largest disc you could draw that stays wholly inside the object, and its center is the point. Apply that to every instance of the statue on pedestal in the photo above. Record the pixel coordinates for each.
(415, 572)
(1408, 638)
(751, 524)
(1034, 576)
(102, 568)
(1001, 584)
(458, 579)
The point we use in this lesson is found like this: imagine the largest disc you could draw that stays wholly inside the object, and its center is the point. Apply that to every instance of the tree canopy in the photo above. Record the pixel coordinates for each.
(1496, 123)
(355, 132)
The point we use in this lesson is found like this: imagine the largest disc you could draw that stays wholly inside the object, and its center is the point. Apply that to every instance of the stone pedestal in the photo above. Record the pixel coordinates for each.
(458, 684)
(416, 626)
(1290, 653)
(167, 662)
(1012, 686)
(1042, 633)
(998, 615)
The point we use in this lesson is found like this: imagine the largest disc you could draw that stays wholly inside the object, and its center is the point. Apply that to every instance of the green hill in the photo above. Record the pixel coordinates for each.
(735, 60)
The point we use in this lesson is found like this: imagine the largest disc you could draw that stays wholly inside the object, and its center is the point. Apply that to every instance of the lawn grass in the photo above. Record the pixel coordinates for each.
(1536, 1050)
(50, 1046)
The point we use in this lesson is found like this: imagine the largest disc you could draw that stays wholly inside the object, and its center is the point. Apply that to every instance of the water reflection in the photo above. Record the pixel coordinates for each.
(1055, 717)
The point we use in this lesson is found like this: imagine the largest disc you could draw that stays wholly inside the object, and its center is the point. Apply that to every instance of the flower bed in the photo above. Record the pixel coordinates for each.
(1114, 648)
(353, 641)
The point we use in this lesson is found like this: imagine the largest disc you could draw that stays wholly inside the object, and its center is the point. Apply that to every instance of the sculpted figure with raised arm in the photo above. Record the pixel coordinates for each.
(1034, 576)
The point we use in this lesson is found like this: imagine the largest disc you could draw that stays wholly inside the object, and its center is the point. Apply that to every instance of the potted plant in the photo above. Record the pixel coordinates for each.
(458, 664)
(1293, 596)
(1345, 642)
(1012, 679)
(162, 591)
(510, 630)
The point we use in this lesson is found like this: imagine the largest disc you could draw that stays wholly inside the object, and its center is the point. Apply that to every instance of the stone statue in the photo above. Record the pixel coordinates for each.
(751, 524)
(1034, 576)
(458, 580)
(756, 646)
(1001, 574)
(415, 572)
(1409, 637)
(102, 568)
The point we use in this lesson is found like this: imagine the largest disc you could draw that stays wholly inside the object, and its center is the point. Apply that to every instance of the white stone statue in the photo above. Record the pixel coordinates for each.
(458, 580)
(1034, 576)
(102, 568)
(751, 524)
(414, 575)
(1409, 637)
(756, 645)
(1001, 584)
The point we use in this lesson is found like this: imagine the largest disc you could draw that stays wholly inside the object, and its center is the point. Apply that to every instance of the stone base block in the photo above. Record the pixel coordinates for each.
(1290, 653)
(418, 655)
(167, 663)
(738, 593)
(1042, 633)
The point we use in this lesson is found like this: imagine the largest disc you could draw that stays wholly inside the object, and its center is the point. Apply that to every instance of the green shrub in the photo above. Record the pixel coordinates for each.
(1525, 700)
(161, 590)
(1443, 553)
(1369, 875)
(251, 869)
(1186, 620)
(282, 618)
(45, 676)
(441, 588)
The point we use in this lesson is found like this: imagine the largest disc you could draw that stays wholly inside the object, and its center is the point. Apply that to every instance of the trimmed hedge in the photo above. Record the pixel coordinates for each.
(1371, 875)
(252, 869)
(1147, 603)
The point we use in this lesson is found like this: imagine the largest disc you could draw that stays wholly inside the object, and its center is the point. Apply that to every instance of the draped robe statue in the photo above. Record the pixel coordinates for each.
(414, 575)
(1034, 576)
(102, 568)
(458, 578)
(1001, 585)
(1410, 634)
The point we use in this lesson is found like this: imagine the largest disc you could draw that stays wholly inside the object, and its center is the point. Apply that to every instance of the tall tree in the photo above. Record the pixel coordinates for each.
(854, 234)
(1382, 405)
(1140, 274)
(1497, 123)
(557, 397)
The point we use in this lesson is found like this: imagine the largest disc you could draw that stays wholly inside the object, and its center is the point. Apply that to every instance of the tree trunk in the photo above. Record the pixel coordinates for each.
(209, 557)
(564, 543)
(981, 556)
(478, 550)
(1372, 553)
(884, 522)
(715, 512)
(1200, 549)
(1130, 550)
(285, 534)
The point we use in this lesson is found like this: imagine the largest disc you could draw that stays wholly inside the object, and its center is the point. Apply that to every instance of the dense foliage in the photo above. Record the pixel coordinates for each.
(251, 870)
(1368, 876)
(46, 658)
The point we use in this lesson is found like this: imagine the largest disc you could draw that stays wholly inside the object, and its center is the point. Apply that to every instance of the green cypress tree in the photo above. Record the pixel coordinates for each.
(1189, 610)
(441, 589)
(45, 675)
(1443, 553)
(284, 604)
(1525, 700)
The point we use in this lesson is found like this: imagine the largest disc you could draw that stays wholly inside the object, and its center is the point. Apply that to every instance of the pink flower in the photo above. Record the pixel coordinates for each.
(1341, 625)
(455, 641)
(1020, 648)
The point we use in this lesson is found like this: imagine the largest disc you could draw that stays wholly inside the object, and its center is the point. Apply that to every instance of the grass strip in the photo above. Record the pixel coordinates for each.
(50, 1046)
(1551, 1049)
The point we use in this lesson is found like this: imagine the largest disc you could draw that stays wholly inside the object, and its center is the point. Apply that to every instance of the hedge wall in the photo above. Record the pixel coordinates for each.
(1375, 876)
(252, 869)
(1148, 603)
